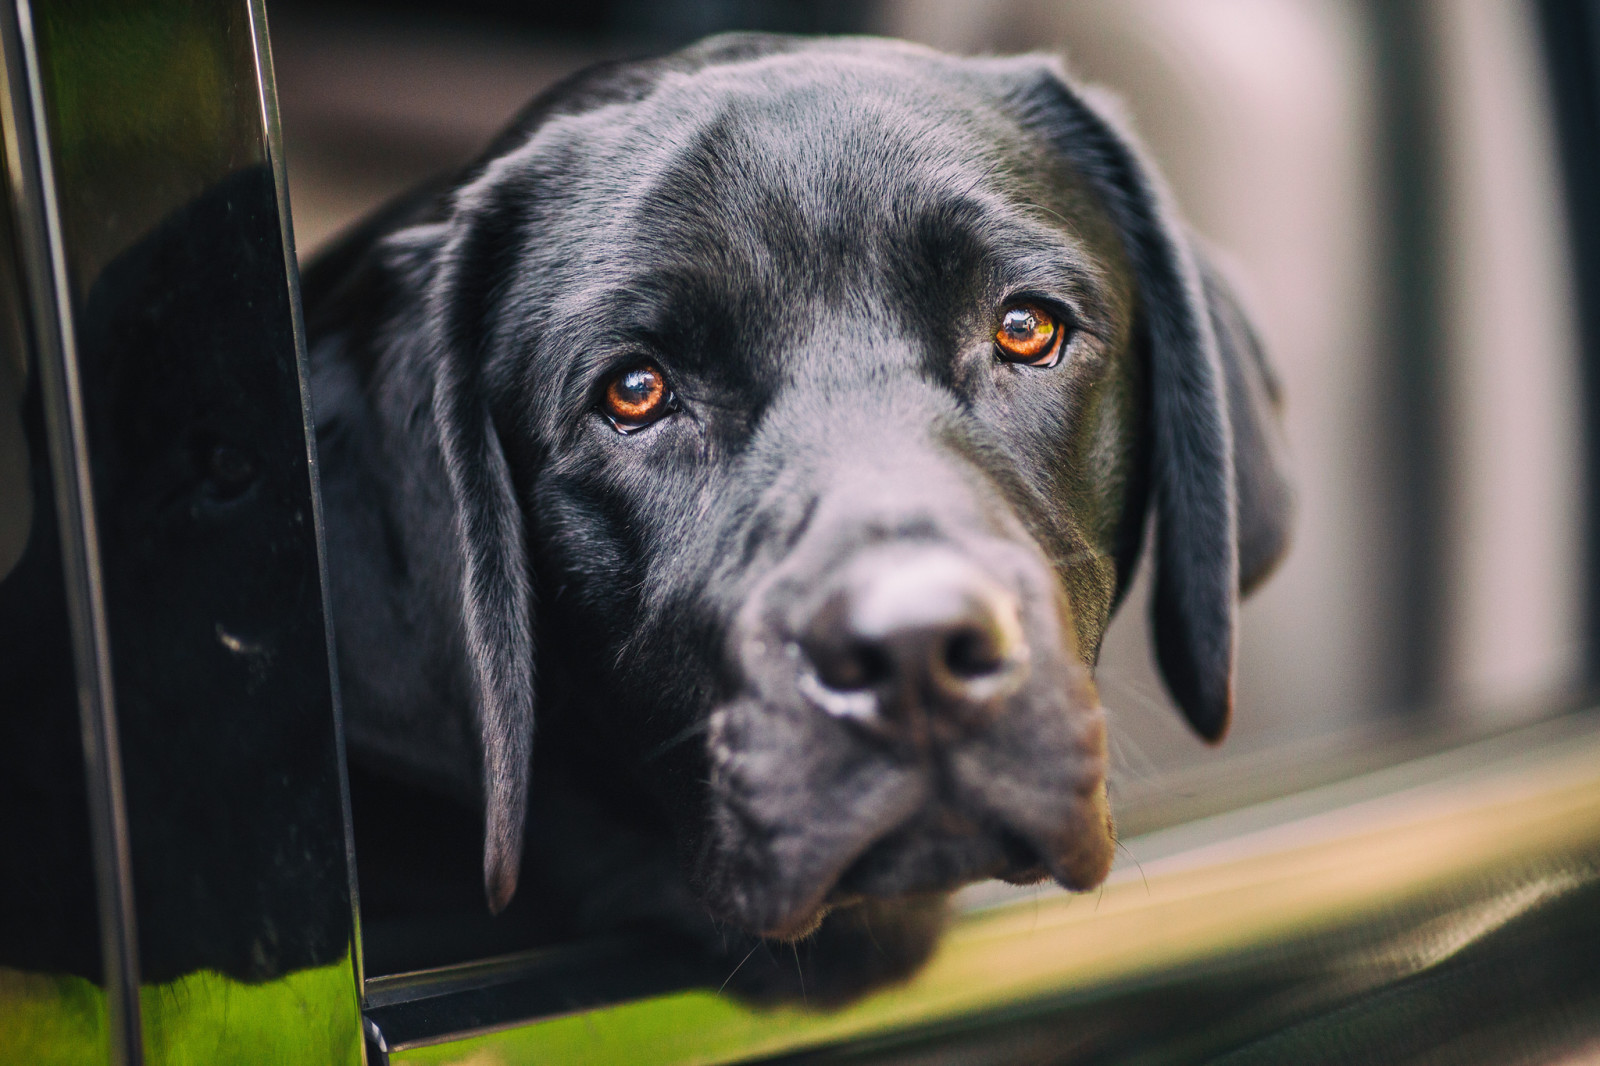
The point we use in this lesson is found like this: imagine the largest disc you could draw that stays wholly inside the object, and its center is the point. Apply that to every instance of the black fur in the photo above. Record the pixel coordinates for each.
(813, 239)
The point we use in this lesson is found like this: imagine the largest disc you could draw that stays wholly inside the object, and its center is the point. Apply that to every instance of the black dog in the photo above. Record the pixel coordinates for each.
(795, 407)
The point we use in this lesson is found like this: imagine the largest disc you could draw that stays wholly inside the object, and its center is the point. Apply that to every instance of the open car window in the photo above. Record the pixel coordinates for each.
(1393, 855)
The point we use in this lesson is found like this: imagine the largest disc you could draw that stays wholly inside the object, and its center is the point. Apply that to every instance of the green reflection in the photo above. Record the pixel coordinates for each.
(149, 104)
(692, 1027)
(138, 80)
(202, 1018)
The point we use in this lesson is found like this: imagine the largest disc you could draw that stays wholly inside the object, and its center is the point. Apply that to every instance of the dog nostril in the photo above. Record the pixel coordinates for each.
(974, 653)
(852, 667)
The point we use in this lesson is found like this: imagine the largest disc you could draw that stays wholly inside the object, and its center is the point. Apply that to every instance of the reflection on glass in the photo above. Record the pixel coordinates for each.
(187, 365)
(47, 890)
(16, 489)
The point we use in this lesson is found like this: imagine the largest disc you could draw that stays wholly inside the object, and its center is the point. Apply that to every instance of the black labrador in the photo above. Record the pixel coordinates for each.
(782, 418)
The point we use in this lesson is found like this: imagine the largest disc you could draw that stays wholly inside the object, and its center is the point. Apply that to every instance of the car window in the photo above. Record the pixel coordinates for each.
(1391, 857)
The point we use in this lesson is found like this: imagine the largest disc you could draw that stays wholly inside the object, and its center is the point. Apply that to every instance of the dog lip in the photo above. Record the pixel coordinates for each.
(1080, 858)
(1080, 863)
(955, 861)
(916, 856)
(802, 921)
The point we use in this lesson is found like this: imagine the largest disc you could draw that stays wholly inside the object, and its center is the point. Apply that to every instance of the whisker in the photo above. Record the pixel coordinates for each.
(736, 969)
(682, 736)
(796, 949)
(1137, 863)
(866, 921)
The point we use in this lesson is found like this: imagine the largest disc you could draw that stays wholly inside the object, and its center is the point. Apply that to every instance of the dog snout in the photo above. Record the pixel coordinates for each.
(916, 644)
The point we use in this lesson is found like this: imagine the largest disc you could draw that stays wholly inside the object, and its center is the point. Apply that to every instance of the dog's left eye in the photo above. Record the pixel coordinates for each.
(636, 397)
(1029, 334)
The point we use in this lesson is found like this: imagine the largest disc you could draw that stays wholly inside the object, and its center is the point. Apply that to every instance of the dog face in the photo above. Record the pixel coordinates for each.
(796, 406)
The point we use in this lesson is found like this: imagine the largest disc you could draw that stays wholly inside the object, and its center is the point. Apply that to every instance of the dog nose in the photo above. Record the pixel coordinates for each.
(916, 645)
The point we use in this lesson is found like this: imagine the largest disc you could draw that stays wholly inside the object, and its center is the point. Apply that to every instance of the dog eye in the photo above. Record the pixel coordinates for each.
(636, 397)
(1029, 334)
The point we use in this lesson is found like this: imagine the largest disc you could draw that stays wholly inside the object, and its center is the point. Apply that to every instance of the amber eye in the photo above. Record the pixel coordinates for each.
(1029, 334)
(636, 397)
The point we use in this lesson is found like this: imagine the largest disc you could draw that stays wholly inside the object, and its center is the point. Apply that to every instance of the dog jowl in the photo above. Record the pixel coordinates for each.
(783, 418)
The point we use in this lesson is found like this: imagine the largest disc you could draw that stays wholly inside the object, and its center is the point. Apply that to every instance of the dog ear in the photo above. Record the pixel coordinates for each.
(1193, 588)
(403, 308)
(496, 591)
(1221, 501)
(1264, 491)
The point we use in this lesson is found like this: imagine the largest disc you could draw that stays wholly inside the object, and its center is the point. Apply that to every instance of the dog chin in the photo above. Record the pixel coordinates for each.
(936, 853)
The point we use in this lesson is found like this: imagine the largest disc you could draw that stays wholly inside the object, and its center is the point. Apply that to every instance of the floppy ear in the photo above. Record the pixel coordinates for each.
(398, 315)
(496, 594)
(1221, 501)
(1264, 492)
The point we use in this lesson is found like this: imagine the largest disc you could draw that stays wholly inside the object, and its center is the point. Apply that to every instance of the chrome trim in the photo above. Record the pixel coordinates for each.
(261, 41)
(39, 224)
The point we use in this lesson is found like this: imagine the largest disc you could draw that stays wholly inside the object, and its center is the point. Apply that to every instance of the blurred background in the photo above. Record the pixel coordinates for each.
(1383, 182)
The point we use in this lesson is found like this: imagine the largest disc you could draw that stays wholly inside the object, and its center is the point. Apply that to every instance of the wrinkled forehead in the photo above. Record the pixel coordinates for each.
(829, 142)
(802, 168)
(820, 127)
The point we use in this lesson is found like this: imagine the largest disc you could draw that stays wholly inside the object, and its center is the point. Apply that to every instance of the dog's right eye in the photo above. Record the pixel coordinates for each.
(636, 397)
(1029, 334)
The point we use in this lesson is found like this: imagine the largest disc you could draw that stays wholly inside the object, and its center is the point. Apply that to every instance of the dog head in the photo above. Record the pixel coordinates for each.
(797, 406)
